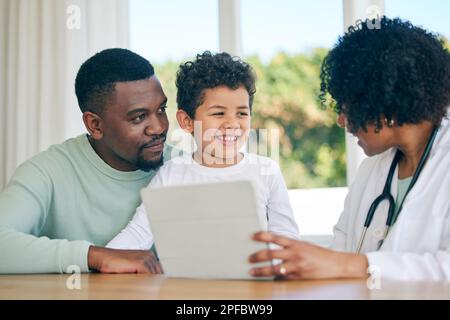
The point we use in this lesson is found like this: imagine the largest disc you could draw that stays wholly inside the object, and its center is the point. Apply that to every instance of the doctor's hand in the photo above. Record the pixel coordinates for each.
(302, 260)
(123, 261)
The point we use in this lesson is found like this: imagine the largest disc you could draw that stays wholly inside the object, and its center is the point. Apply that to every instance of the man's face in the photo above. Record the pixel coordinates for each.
(135, 125)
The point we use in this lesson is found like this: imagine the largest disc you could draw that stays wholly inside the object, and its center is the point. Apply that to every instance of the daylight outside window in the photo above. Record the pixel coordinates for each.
(285, 41)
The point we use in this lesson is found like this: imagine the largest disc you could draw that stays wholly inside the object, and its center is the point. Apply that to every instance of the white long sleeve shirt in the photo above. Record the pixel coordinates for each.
(272, 196)
(417, 247)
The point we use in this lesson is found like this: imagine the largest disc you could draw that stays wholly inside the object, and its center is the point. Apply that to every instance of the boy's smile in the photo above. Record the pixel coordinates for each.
(229, 138)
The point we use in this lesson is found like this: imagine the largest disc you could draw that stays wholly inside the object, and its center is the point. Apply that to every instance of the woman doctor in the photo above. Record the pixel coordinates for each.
(391, 89)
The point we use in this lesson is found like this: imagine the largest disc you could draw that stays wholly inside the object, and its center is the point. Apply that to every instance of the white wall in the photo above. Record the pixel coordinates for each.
(316, 211)
(42, 45)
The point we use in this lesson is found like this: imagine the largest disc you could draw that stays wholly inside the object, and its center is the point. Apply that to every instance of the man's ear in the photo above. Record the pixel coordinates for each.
(93, 124)
(185, 121)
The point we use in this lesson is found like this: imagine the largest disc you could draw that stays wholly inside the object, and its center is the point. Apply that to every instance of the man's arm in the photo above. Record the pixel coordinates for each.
(24, 205)
(25, 253)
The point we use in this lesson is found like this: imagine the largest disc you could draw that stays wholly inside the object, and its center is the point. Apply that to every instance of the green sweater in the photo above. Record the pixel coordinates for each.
(67, 192)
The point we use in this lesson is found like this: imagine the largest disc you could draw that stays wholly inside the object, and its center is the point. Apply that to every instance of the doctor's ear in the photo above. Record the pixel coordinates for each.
(185, 121)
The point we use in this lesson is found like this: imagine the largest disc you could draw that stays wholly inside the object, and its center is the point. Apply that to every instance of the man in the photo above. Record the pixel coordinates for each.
(63, 205)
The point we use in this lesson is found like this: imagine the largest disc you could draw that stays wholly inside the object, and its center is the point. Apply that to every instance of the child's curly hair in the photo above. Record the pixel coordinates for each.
(208, 71)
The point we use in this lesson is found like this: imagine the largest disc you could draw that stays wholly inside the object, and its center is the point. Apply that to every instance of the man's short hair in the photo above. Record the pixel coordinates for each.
(96, 79)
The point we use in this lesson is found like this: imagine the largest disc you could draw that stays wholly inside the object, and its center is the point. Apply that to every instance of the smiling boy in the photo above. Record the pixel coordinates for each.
(215, 98)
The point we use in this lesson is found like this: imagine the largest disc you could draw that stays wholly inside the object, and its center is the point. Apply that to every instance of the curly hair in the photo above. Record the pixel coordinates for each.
(208, 71)
(96, 79)
(398, 71)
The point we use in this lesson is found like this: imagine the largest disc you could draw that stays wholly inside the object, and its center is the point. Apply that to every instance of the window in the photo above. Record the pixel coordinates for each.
(286, 41)
(170, 32)
(173, 30)
(290, 26)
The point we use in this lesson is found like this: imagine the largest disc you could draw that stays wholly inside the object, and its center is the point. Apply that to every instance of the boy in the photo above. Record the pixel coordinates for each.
(215, 96)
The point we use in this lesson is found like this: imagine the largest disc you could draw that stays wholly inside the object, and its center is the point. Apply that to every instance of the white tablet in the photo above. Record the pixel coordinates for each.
(205, 230)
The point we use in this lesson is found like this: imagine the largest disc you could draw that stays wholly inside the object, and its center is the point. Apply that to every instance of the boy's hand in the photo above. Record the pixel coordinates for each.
(123, 261)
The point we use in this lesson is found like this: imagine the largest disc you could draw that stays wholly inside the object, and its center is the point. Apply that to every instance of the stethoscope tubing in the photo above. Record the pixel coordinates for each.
(386, 194)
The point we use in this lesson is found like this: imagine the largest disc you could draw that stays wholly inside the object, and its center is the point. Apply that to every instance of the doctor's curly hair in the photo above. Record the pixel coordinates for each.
(398, 71)
(209, 71)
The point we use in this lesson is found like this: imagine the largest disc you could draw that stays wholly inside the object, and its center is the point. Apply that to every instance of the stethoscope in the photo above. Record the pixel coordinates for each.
(386, 194)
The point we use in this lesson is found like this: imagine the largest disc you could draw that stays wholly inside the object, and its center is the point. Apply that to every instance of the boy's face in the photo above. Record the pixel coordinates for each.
(224, 120)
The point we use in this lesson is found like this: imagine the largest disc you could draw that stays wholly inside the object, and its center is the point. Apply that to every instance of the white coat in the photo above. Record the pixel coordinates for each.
(418, 245)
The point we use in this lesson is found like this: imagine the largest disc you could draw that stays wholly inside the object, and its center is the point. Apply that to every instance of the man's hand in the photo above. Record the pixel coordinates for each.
(123, 261)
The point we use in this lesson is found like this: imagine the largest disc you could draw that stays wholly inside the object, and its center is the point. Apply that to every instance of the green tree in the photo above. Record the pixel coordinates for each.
(312, 148)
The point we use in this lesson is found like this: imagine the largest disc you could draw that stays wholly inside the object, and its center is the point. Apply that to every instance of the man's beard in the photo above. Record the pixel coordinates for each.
(147, 165)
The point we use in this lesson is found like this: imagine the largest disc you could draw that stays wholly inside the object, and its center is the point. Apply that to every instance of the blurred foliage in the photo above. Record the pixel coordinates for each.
(312, 146)
(446, 42)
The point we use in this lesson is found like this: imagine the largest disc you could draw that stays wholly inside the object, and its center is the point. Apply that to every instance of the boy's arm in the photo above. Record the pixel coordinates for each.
(280, 215)
(136, 235)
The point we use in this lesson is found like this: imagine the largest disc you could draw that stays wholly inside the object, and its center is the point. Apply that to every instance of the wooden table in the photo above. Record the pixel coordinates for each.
(134, 286)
